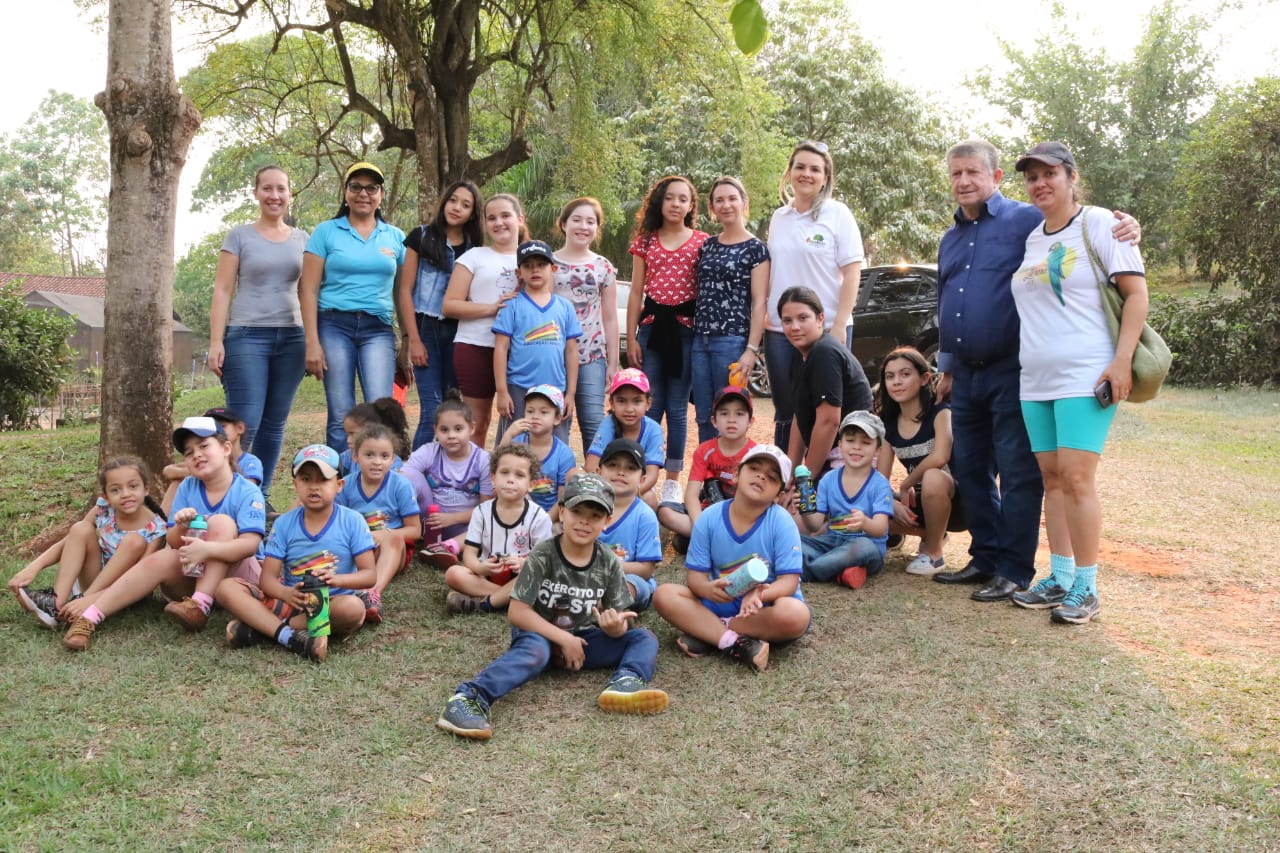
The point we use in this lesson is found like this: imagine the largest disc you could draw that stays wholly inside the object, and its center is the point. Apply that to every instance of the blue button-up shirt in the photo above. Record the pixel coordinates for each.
(977, 320)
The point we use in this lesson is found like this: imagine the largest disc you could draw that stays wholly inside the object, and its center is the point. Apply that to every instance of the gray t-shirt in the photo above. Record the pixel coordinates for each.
(267, 281)
(565, 594)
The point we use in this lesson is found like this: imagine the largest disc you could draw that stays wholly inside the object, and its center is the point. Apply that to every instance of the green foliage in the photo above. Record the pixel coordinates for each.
(34, 356)
(750, 28)
(885, 140)
(1126, 122)
(193, 284)
(283, 103)
(53, 175)
(1219, 341)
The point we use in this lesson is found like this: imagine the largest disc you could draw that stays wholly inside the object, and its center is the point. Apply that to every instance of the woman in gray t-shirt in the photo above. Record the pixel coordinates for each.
(256, 341)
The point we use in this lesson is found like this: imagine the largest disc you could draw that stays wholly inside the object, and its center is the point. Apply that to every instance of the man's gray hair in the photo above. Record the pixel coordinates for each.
(975, 148)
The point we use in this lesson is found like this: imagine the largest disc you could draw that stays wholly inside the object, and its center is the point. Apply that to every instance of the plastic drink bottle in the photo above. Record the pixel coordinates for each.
(804, 487)
(198, 529)
(751, 573)
(429, 535)
(318, 605)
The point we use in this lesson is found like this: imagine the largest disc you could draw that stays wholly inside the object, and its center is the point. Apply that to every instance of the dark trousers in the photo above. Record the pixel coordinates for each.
(990, 440)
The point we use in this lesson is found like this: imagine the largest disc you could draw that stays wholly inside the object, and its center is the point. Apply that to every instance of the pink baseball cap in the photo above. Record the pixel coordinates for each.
(629, 376)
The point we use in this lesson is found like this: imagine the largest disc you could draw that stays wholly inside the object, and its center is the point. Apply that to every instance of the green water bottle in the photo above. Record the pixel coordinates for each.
(317, 605)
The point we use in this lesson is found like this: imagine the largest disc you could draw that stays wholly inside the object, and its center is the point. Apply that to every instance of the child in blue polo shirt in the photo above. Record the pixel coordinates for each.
(330, 541)
(535, 338)
(543, 413)
(633, 529)
(629, 399)
(725, 538)
(855, 504)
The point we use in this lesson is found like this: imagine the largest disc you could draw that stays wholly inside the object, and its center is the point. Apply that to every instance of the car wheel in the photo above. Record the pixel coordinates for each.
(930, 354)
(758, 381)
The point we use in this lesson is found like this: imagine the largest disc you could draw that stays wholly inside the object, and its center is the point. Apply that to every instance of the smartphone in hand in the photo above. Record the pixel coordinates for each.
(1103, 393)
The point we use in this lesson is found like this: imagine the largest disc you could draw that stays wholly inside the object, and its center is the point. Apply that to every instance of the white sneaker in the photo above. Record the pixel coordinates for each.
(671, 492)
(923, 564)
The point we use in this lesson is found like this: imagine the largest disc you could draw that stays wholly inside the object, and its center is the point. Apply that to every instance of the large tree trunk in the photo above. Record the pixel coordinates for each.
(151, 125)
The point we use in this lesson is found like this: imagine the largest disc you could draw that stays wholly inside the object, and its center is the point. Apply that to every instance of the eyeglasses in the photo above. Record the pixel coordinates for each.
(820, 147)
(364, 189)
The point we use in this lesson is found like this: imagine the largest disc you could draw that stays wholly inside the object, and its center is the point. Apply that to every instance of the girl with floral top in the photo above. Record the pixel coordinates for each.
(587, 280)
(733, 286)
(664, 289)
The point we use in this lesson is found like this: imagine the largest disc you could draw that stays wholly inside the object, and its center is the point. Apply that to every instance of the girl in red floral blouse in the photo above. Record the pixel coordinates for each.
(660, 312)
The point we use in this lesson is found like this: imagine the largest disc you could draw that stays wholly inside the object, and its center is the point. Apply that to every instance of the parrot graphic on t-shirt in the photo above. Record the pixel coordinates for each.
(1057, 254)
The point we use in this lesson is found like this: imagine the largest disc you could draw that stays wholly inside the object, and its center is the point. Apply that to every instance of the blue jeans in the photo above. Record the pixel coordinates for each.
(990, 439)
(589, 402)
(645, 588)
(261, 372)
(437, 377)
(780, 358)
(670, 394)
(826, 556)
(712, 355)
(355, 344)
(634, 653)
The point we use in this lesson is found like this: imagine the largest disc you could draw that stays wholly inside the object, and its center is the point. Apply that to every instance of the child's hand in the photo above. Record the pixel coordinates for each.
(789, 499)
(296, 598)
(185, 516)
(73, 610)
(514, 562)
(574, 649)
(491, 566)
(329, 576)
(24, 578)
(437, 521)
(752, 602)
(519, 425)
(613, 622)
(717, 593)
(506, 407)
(194, 550)
(857, 519)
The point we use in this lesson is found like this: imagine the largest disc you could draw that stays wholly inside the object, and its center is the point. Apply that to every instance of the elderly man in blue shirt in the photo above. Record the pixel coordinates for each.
(978, 363)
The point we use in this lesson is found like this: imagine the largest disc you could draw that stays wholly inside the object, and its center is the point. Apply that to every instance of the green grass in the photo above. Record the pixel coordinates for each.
(909, 719)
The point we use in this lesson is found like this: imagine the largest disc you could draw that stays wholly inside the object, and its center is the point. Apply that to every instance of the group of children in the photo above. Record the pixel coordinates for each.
(569, 553)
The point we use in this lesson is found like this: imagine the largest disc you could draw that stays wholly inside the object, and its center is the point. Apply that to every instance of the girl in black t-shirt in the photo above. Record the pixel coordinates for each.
(918, 434)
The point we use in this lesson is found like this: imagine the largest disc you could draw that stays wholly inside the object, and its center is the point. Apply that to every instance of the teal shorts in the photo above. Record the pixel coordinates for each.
(1077, 423)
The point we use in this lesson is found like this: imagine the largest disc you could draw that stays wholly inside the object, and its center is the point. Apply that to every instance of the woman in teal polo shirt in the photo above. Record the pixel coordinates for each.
(348, 276)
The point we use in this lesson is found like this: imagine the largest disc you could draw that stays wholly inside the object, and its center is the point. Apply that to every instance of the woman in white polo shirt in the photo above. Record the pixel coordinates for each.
(814, 242)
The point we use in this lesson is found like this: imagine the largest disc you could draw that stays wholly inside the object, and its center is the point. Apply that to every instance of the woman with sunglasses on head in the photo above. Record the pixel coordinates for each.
(814, 242)
(349, 273)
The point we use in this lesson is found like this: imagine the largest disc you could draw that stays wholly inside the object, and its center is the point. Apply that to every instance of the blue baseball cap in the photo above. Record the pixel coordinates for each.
(322, 456)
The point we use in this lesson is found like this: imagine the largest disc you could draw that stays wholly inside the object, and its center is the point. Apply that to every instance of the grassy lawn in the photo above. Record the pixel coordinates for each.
(910, 718)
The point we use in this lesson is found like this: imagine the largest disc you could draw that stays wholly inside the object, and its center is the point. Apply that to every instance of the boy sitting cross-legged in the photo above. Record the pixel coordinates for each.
(855, 503)
(725, 537)
(502, 532)
(331, 541)
(633, 530)
(715, 463)
(568, 583)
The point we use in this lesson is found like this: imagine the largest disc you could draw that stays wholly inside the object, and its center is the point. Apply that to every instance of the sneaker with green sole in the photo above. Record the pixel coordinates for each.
(628, 694)
(466, 716)
(1042, 596)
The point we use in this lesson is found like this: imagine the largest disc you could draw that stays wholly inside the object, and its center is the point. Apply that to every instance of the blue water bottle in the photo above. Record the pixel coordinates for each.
(807, 493)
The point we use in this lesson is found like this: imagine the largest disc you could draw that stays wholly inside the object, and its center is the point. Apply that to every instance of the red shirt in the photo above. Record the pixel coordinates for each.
(710, 463)
(670, 277)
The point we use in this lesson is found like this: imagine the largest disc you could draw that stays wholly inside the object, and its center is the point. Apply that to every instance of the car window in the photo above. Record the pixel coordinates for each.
(893, 290)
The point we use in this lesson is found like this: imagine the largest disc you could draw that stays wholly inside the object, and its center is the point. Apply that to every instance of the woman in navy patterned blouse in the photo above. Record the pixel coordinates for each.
(733, 287)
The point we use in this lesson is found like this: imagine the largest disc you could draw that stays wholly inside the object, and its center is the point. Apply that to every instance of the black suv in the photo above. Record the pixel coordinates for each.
(897, 306)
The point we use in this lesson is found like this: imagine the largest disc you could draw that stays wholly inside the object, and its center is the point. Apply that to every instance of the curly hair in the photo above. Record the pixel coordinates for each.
(523, 451)
(649, 216)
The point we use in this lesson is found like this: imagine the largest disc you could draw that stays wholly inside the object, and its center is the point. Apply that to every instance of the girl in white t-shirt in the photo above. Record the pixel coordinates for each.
(814, 242)
(483, 280)
(1072, 371)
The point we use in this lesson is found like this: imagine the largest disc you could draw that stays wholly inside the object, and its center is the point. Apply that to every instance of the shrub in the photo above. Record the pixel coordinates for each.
(34, 356)
(1218, 341)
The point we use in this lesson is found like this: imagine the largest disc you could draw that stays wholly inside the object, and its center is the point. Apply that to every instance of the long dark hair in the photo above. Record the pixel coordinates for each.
(886, 406)
(649, 217)
(390, 414)
(143, 474)
(436, 233)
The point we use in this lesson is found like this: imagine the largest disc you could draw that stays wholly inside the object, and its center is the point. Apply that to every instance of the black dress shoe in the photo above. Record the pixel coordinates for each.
(969, 574)
(998, 590)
